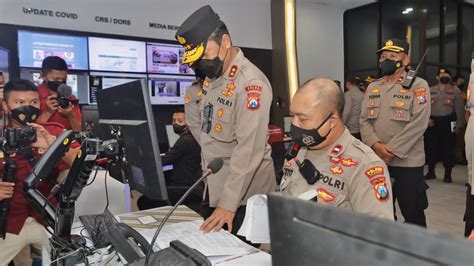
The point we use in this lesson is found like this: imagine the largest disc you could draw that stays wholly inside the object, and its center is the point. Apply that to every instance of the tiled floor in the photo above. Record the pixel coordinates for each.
(447, 202)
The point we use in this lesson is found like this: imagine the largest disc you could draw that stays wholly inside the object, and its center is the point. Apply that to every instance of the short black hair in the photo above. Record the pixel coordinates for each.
(458, 77)
(51, 63)
(18, 85)
(217, 34)
(179, 109)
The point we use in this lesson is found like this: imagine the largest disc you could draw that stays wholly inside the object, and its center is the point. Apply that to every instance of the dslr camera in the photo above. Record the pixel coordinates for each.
(18, 138)
(64, 102)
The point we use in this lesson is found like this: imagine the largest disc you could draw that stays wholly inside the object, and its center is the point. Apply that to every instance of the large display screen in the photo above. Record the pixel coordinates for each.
(166, 59)
(4, 63)
(33, 47)
(103, 80)
(78, 82)
(168, 90)
(117, 55)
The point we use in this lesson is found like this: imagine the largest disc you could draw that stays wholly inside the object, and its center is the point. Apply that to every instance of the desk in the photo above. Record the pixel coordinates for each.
(182, 214)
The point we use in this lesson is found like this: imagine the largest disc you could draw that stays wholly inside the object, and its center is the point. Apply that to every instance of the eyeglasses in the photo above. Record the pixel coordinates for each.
(207, 114)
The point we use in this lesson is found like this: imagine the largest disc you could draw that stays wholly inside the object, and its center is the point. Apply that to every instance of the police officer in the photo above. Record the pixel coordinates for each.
(446, 106)
(469, 214)
(352, 102)
(393, 120)
(332, 166)
(192, 101)
(235, 110)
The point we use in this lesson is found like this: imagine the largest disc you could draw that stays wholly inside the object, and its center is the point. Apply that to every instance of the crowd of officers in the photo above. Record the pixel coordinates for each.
(360, 150)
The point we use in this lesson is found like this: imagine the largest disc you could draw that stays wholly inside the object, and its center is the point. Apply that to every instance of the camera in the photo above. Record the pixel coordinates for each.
(16, 138)
(64, 102)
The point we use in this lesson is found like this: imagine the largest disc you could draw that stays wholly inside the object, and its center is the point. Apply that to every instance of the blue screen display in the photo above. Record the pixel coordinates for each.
(33, 47)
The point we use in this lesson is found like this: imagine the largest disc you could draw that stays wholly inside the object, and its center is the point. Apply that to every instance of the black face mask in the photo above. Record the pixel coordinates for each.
(54, 85)
(212, 68)
(178, 129)
(25, 114)
(308, 137)
(389, 67)
(445, 80)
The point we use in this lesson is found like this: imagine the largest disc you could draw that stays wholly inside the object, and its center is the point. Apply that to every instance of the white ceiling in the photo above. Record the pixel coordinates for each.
(470, 1)
(344, 4)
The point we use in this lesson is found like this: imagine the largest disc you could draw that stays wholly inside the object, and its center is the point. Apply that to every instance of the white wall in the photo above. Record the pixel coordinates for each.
(320, 41)
(249, 21)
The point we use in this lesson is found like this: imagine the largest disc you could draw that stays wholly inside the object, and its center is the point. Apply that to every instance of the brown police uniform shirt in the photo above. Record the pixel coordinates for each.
(352, 106)
(397, 117)
(446, 101)
(235, 112)
(192, 100)
(352, 177)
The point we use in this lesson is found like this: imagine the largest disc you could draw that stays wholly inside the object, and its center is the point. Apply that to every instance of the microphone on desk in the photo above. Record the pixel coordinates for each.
(213, 167)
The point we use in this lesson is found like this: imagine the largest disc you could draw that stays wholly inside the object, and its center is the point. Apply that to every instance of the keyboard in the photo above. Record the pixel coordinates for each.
(96, 225)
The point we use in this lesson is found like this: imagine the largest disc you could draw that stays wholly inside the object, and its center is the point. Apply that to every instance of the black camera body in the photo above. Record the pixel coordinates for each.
(16, 138)
(64, 102)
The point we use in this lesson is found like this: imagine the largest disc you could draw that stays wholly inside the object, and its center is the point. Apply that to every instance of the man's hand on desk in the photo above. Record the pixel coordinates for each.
(218, 218)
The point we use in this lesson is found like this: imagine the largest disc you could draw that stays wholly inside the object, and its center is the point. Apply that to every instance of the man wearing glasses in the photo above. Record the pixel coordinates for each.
(235, 109)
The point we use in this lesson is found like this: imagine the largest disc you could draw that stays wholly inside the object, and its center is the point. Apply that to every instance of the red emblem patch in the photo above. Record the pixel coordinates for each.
(253, 101)
(233, 71)
(348, 162)
(337, 150)
(325, 195)
(253, 88)
(335, 160)
(380, 187)
(374, 171)
(337, 170)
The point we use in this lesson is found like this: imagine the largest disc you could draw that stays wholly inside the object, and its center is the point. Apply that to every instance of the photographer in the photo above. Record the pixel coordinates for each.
(54, 71)
(24, 225)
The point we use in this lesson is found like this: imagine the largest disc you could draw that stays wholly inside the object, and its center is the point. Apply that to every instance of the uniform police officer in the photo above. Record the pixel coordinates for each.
(352, 103)
(332, 166)
(393, 120)
(446, 107)
(235, 110)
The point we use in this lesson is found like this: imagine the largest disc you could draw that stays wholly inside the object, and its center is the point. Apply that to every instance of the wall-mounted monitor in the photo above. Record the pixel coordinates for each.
(117, 55)
(166, 59)
(104, 80)
(79, 82)
(4, 63)
(34, 47)
(168, 90)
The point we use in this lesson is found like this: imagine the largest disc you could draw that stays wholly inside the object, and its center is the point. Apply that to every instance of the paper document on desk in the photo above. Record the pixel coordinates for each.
(220, 243)
(255, 227)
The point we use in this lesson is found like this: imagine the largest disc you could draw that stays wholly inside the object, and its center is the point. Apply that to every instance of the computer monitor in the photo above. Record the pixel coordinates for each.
(168, 89)
(127, 107)
(104, 80)
(4, 60)
(306, 233)
(34, 47)
(117, 55)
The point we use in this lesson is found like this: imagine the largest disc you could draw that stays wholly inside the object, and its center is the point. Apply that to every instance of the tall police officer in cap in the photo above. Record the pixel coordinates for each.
(393, 120)
(447, 106)
(353, 98)
(235, 110)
